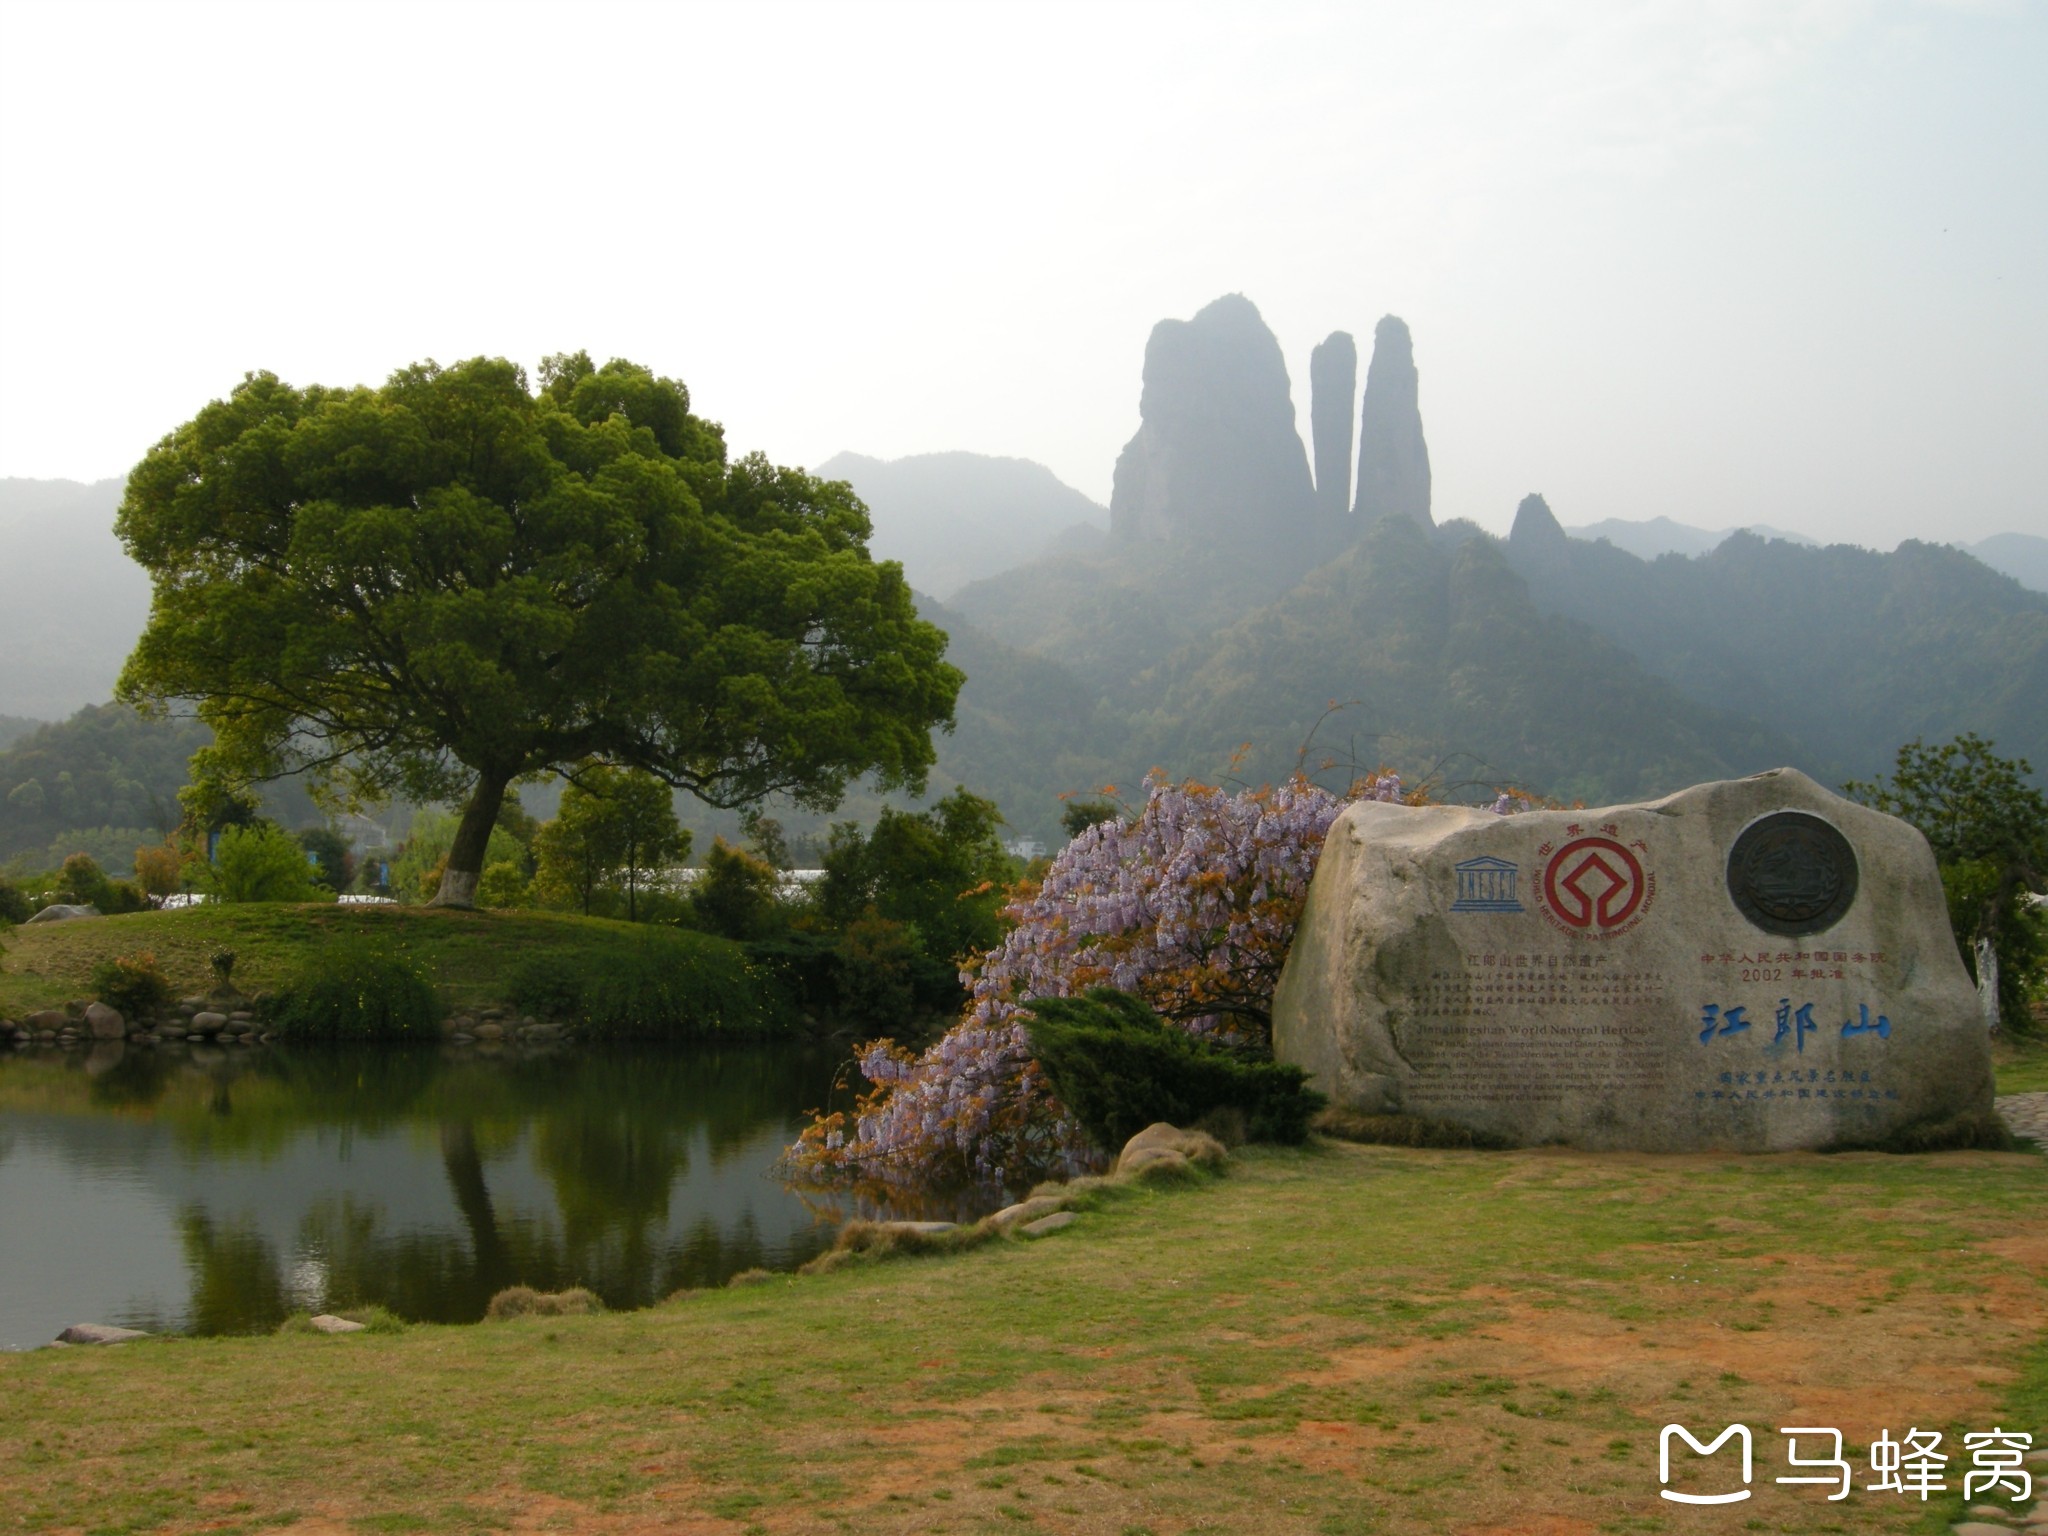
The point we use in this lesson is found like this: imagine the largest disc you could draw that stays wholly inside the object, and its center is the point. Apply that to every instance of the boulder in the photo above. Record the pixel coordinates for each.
(105, 1023)
(490, 1029)
(209, 1022)
(62, 914)
(912, 1228)
(1393, 459)
(99, 1333)
(1026, 1210)
(1045, 1226)
(1159, 1141)
(1755, 965)
(48, 1020)
(327, 1322)
(1216, 458)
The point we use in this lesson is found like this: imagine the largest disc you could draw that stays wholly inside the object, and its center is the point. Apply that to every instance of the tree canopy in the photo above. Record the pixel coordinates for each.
(1988, 827)
(441, 587)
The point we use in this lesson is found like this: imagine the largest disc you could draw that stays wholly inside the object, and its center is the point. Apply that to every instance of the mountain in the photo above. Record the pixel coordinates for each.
(1845, 652)
(2022, 556)
(1444, 664)
(952, 518)
(71, 601)
(1655, 536)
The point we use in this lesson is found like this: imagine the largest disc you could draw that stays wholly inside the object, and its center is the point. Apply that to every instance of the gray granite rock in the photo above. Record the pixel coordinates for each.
(62, 913)
(99, 1333)
(1216, 458)
(1393, 459)
(327, 1322)
(1333, 396)
(1756, 964)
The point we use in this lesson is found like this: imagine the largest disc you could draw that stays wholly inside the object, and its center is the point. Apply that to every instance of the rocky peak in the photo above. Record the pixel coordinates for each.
(1393, 459)
(1333, 390)
(1536, 528)
(1216, 457)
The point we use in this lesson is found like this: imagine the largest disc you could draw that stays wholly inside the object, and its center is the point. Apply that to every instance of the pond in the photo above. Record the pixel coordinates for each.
(218, 1190)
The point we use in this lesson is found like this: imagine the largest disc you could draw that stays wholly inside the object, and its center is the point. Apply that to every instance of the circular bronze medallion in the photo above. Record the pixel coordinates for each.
(1792, 874)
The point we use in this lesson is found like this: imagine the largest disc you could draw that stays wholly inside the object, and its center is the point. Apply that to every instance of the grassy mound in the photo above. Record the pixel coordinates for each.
(707, 984)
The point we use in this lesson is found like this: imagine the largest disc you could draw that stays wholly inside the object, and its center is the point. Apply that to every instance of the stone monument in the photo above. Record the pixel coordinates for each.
(1755, 965)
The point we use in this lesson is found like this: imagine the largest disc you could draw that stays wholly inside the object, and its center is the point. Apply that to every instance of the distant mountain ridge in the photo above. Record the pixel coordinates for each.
(71, 601)
(953, 518)
(2022, 556)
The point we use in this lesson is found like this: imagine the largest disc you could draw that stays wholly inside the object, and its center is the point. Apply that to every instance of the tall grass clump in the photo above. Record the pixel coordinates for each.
(355, 989)
(656, 985)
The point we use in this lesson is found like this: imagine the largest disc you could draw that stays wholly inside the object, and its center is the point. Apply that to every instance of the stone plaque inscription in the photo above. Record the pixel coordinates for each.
(1755, 964)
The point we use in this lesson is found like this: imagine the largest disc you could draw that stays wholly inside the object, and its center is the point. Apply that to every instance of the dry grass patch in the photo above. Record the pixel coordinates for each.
(1330, 1341)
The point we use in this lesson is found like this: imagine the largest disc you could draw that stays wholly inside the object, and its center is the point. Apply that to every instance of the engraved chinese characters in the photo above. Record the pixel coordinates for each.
(1610, 978)
(1792, 874)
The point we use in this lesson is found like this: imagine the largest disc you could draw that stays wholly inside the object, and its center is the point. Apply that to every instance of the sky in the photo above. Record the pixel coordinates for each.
(1774, 262)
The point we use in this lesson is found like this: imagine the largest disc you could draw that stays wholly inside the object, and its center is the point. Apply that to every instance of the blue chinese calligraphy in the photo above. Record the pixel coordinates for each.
(1795, 1024)
(1729, 1020)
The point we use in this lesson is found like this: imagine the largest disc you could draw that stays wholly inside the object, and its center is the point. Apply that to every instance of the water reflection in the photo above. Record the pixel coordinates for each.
(217, 1190)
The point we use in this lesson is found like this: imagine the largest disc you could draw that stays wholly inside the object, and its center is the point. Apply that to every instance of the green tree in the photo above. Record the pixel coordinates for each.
(736, 895)
(615, 824)
(334, 864)
(940, 872)
(444, 586)
(261, 862)
(1989, 830)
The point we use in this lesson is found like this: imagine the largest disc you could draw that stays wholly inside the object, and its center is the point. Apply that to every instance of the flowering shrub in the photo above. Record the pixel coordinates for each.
(1191, 904)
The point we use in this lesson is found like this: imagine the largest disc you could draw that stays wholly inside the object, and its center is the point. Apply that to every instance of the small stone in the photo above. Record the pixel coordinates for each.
(462, 1039)
(1979, 1528)
(99, 1333)
(196, 1039)
(327, 1322)
(1988, 1512)
(47, 1020)
(914, 1228)
(490, 1029)
(1045, 1226)
(209, 1022)
(1159, 1140)
(1026, 1210)
(241, 1016)
(191, 1005)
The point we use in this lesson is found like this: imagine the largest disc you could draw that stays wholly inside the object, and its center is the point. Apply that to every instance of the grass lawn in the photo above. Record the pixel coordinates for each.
(1330, 1341)
(2021, 1063)
(469, 953)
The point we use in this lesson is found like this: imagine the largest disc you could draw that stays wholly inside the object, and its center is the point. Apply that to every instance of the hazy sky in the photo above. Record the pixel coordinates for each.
(1772, 262)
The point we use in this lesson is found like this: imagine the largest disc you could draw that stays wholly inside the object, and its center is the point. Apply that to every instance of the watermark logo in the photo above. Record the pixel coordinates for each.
(1914, 1464)
(1732, 1432)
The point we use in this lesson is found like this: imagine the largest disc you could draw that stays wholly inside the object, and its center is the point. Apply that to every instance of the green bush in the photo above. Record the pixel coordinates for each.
(1118, 1067)
(15, 907)
(657, 984)
(132, 985)
(260, 862)
(355, 989)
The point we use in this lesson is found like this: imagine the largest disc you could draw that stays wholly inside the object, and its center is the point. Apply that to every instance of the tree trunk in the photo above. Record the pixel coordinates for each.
(472, 836)
(1987, 982)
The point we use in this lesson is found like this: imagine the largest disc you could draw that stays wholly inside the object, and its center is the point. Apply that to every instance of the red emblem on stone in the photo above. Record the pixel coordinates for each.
(1594, 885)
